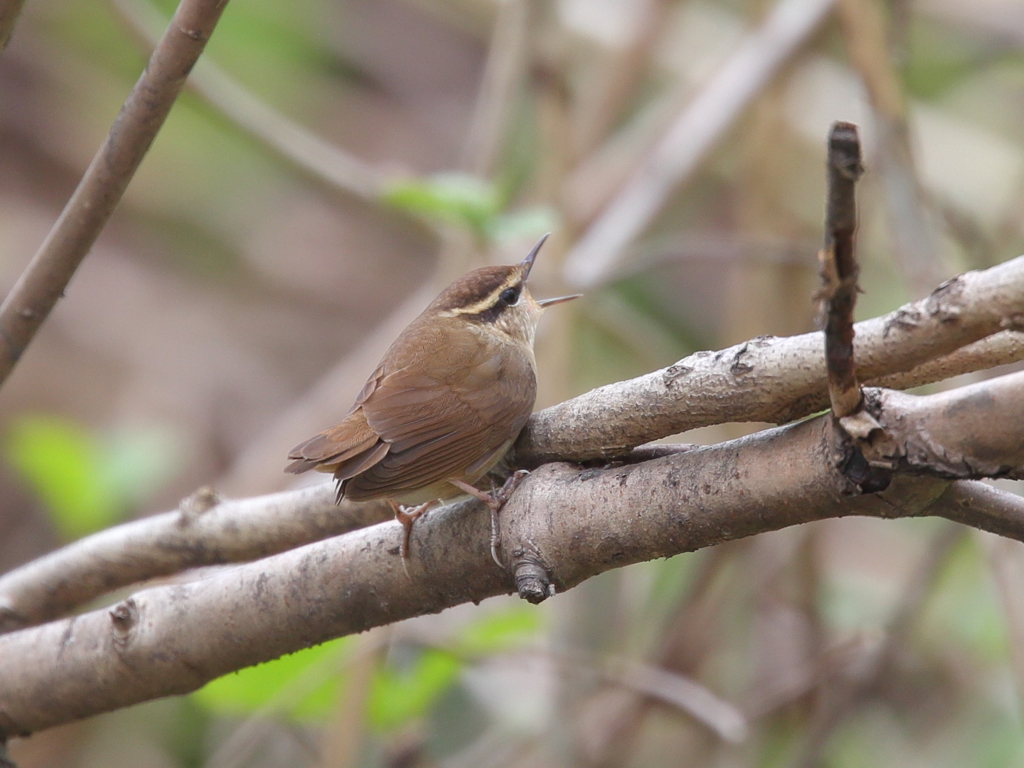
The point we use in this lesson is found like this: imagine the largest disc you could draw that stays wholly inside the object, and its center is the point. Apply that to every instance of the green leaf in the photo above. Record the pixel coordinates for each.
(64, 465)
(398, 696)
(450, 198)
(303, 685)
(85, 481)
(964, 606)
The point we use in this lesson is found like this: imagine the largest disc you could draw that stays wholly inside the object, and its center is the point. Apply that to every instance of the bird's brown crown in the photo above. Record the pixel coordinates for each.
(482, 294)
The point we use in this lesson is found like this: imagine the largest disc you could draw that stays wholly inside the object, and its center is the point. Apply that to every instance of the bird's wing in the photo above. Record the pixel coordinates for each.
(438, 429)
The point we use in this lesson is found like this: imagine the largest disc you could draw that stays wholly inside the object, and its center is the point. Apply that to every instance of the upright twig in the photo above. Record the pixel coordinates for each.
(101, 188)
(839, 267)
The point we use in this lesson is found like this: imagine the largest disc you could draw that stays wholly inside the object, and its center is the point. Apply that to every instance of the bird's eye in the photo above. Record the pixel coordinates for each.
(509, 296)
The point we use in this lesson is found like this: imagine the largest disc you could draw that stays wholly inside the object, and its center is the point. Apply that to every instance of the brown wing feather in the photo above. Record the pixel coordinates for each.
(348, 440)
(439, 429)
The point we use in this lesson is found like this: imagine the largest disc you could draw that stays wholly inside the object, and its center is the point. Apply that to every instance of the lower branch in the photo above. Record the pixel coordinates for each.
(204, 530)
(981, 506)
(968, 432)
(564, 525)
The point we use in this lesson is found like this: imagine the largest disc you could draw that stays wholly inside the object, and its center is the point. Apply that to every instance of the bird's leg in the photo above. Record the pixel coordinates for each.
(494, 500)
(407, 516)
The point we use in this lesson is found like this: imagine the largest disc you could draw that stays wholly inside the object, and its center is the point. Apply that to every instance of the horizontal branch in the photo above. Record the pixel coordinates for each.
(564, 525)
(204, 530)
(998, 349)
(972, 431)
(981, 506)
(773, 379)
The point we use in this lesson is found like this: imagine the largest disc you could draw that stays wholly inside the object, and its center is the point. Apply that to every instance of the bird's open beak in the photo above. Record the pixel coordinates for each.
(548, 302)
(528, 261)
(528, 264)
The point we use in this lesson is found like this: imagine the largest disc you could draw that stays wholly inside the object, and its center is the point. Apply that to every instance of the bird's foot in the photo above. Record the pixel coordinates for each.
(407, 516)
(494, 501)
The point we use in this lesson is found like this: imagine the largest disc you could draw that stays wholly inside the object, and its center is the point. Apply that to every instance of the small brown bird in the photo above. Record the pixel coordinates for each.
(444, 405)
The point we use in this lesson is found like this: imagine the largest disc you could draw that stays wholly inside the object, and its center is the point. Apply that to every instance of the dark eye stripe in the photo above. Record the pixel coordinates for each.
(507, 297)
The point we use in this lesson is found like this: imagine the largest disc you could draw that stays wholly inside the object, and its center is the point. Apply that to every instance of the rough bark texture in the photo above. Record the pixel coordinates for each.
(839, 268)
(203, 531)
(564, 525)
(769, 378)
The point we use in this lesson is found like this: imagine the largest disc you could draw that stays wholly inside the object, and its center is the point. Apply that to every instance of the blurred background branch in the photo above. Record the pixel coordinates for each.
(315, 157)
(694, 132)
(43, 282)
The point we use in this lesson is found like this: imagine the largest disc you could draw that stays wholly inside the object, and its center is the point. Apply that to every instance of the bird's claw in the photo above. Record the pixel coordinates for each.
(494, 501)
(407, 516)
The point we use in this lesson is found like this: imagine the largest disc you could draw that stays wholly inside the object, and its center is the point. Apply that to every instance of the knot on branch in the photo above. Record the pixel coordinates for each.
(533, 582)
(945, 303)
(860, 452)
(1014, 322)
(124, 617)
(202, 500)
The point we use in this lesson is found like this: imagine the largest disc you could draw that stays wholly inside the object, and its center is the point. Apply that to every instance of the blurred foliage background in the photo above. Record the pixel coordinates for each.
(342, 160)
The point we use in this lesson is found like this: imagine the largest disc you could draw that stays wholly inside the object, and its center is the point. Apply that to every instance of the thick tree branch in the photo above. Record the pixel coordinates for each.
(973, 431)
(564, 525)
(101, 188)
(916, 435)
(762, 380)
(774, 379)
